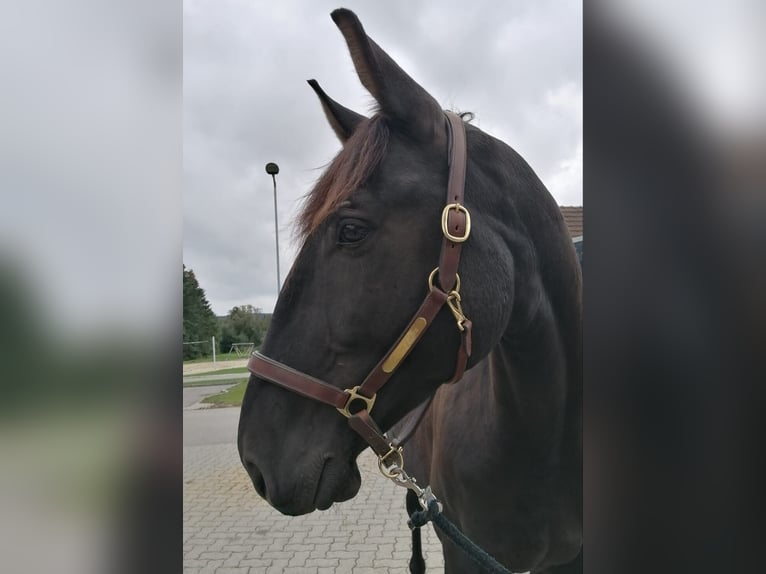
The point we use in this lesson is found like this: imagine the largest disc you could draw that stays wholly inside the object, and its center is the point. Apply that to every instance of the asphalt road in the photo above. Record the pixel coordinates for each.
(211, 426)
(208, 426)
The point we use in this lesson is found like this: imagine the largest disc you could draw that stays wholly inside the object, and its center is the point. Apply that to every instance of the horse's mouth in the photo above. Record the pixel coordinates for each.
(336, 484)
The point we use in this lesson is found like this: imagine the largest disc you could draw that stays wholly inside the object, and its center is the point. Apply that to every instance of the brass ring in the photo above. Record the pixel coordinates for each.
(431, 281)
(395, 469)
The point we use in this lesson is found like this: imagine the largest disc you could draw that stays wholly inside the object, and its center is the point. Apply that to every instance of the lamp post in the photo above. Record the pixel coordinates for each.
(273, 169)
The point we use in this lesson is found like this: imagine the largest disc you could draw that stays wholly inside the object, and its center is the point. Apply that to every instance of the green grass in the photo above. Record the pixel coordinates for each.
(230, 398)
(218, 357)
(209, 383)
(242, 370)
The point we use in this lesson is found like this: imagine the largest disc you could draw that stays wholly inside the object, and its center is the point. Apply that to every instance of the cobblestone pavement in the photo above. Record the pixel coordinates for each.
(228, 528)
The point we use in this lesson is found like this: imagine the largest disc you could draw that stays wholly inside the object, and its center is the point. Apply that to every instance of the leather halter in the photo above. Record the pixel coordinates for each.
(456, 227)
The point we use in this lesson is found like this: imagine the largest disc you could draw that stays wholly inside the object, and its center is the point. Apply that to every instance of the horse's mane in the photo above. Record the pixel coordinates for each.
(353, 165)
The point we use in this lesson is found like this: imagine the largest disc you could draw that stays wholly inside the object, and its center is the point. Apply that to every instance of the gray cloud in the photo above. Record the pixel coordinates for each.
(518, 66)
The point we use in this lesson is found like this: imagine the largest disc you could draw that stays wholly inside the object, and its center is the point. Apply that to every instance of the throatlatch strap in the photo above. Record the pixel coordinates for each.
(409, 423)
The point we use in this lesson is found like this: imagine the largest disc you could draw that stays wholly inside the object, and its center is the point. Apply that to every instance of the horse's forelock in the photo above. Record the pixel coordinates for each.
(353, 165)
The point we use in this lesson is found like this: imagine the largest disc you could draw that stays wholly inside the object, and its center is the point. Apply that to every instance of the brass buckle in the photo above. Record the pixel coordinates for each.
(353, 394)
(445, 221)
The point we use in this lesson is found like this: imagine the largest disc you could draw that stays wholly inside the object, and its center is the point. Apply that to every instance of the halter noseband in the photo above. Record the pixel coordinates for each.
(456, 227)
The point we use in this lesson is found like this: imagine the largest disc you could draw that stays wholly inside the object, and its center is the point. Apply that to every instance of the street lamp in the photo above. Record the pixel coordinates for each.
(273, 169)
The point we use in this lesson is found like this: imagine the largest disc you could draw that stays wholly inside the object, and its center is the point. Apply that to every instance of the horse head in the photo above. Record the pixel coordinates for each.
(371, 236)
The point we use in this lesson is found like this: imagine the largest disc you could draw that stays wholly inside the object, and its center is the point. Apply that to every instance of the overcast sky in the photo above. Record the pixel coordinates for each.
(516, 65)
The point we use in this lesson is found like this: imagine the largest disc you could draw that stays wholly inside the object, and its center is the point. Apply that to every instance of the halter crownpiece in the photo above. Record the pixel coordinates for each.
(443, 288)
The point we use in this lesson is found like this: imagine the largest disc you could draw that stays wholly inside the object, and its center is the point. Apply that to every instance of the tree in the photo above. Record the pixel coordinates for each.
(243, 324)
(200, 323)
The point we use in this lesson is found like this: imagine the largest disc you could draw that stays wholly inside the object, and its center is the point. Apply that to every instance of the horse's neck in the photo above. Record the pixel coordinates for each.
(534, 372)
(527, 373)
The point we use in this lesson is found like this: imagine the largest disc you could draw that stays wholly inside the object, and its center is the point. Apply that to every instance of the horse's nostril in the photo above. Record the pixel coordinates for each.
(260, 485)
(257, 478)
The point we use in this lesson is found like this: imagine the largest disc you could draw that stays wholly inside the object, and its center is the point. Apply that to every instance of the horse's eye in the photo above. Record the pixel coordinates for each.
(352, 232)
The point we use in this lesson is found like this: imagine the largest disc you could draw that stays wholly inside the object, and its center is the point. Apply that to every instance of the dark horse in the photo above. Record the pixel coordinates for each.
(501, 448)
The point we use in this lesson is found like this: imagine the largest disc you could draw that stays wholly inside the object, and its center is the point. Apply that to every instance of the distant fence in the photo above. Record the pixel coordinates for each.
(211, 342)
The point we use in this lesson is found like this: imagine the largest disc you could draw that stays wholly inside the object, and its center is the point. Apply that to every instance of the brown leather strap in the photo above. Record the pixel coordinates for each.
(378, 377)
(456, 220)
(463, 352)
(363, 424)
(366, 427)
(406, 426)
(296, 381)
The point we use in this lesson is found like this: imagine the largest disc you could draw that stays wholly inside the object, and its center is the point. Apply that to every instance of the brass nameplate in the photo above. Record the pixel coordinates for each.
(404, 346)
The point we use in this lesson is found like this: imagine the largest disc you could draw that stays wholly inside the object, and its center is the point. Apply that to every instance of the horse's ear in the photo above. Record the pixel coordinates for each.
(401, 98)
(342, 120)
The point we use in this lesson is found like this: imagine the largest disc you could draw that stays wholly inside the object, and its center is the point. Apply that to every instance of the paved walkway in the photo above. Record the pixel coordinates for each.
(229, 529)
(194, 368)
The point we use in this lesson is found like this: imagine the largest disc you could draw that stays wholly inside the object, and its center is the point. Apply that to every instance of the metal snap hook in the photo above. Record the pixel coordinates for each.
(453, 302)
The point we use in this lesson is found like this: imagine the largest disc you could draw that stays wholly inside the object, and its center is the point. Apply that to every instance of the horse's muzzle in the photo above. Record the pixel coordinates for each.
(295, 491)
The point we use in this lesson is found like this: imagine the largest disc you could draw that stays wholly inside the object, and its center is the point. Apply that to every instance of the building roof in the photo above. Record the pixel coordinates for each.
(573, 219)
